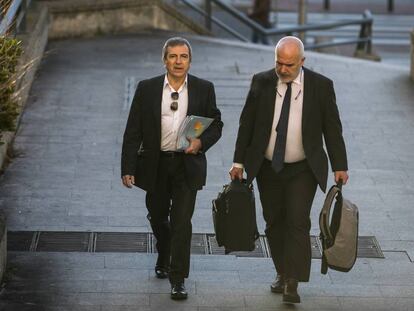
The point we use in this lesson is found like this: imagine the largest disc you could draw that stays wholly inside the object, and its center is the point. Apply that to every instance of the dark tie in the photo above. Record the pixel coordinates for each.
(281, 128)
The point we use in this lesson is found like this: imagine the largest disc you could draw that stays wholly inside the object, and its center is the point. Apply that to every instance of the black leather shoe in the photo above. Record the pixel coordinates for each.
(178, 291)
(290, 292)
(161, 272)
(278, 284)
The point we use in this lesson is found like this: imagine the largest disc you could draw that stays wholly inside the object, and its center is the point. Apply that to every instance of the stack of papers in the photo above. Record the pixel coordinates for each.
(192, 127)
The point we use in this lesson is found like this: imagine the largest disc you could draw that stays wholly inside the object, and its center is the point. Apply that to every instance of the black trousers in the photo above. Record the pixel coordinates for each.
(170, 209)
(287, 199)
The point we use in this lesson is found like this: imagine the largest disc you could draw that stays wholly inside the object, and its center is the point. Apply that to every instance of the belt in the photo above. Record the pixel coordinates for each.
(301, 162)
(288, 164)
(170, 154)
(291, 169)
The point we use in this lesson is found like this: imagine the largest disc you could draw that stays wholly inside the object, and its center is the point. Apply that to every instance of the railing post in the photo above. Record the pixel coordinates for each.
(302, 18)
(390, 5)
(368, 34)
(360, 47)
(326, 5)
(364, 47)
(208, 16)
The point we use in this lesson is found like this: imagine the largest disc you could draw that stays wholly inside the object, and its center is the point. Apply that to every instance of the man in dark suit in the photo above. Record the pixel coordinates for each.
(150, 159)
(288, 112)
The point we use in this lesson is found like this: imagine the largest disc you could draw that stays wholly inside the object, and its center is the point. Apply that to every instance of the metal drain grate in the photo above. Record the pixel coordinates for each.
(123, 242)
(63, 242)
(259, 251)
(199, 244)
(144, 242)
(19, 240)
(368, 247)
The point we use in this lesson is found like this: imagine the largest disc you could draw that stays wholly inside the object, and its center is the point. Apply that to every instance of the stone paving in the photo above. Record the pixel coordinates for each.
(66, 177)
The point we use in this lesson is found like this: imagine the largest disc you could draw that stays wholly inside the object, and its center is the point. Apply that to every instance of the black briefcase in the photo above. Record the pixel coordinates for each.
(234, 217)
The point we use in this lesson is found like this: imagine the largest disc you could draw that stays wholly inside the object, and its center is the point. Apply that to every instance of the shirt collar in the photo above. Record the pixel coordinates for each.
(298, 80)
(166, 83)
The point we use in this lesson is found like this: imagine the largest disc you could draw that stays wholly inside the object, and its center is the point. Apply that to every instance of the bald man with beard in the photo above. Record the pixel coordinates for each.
(289, 112)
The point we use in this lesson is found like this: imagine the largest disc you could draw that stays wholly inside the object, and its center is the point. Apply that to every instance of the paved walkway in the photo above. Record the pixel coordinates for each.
(66, 178)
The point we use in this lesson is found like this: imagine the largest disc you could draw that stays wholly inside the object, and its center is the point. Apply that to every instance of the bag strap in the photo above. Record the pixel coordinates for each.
(239, 186)
(326, 236)
(324, 265)
(324, 216)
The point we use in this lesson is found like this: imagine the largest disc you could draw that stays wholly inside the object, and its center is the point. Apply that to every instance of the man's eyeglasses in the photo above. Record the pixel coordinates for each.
(174, 104)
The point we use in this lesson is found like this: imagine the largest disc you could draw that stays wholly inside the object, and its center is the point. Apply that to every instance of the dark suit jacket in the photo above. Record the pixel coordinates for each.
(142, 137)
(320, 118)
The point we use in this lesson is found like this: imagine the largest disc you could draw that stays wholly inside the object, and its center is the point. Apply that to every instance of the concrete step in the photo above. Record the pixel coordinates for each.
(125, 281)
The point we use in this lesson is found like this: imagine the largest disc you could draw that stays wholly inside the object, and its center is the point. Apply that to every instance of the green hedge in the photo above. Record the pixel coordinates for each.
(10, 50)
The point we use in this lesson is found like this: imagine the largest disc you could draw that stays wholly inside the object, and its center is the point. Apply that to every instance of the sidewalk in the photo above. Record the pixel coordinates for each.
(66, 178)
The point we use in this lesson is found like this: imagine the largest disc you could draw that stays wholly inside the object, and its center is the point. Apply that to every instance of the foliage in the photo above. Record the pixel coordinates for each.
(10, 50)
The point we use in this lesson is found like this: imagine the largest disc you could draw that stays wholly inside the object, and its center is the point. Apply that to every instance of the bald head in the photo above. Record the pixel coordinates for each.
(289, 58)
(291, 45)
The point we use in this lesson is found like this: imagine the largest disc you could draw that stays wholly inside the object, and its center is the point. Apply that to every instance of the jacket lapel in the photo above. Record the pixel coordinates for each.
(268, 109)
(271, 99)
(159, 83)
(308, 91)
(192, 95)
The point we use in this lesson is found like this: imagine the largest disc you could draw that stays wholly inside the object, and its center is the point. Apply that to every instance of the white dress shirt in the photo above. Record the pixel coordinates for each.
(171, 120)
(294, 147)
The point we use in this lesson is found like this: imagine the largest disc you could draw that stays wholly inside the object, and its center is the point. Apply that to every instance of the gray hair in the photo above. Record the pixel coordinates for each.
(291, 39)
(174, 41)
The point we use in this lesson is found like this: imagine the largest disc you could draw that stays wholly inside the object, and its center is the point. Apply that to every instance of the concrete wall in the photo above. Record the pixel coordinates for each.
(33, 44)
(76, 18)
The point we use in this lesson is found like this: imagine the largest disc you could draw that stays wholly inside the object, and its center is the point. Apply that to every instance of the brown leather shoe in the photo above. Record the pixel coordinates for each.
(278, 284)
(290, 292)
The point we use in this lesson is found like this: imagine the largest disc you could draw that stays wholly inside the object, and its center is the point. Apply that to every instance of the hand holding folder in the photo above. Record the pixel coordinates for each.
(192, 127)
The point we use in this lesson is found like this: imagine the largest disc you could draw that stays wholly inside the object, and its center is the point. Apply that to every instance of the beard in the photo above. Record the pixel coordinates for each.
(284, 77)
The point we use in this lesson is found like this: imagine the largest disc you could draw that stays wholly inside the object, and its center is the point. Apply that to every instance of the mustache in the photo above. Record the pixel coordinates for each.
(284, 74)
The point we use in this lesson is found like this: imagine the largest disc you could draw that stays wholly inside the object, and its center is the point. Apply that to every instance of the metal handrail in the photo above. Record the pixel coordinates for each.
(275, 31)
(363, 41)
(239, 15)
(390, 5)
(215, 21)
(15, 18)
